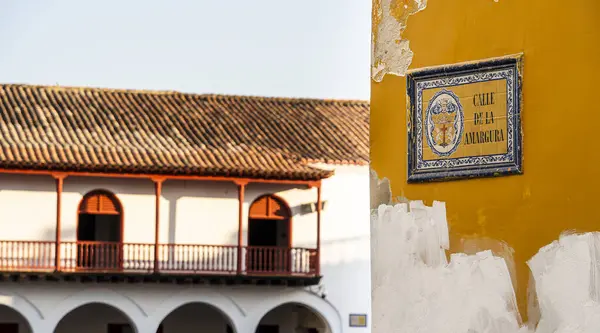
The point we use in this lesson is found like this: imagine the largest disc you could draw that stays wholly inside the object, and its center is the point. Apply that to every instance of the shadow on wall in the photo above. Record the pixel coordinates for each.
(69, 234)
(307, 208)
(172, 199)
(232, 238)
(174, 190)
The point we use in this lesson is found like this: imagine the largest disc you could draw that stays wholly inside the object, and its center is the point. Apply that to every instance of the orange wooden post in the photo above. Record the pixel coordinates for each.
(157, 192)
(60, 178)
(318, 268)
(241, 191)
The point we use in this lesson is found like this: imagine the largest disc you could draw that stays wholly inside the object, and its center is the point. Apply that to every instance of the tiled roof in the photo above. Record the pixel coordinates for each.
(171, 133)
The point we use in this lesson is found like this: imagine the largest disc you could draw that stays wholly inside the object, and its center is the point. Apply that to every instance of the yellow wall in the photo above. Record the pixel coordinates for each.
(560, 187)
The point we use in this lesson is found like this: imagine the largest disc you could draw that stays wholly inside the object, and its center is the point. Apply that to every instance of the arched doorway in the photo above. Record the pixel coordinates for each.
(11, 321)
(269, 236)
(96, 318)
(100, 231)
(293, 317)
(195, 317)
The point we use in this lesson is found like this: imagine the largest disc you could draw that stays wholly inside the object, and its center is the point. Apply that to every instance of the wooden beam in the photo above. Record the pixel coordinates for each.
(60, 178)
(158, 181)
(241, 191)
(150, 176)
(318, 268)
(315, 183)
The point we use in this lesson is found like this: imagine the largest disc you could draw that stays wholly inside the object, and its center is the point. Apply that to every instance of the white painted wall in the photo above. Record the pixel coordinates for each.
(345, 244)
(74, 308)
(194, 212)
(206, 213)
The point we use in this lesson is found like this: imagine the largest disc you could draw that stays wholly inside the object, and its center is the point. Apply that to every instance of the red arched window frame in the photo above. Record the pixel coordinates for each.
(100, 202)
(271, 207)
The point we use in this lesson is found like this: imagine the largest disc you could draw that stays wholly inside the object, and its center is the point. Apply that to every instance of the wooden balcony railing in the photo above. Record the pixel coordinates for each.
(27, 255)
(39, 256)
(278, 261)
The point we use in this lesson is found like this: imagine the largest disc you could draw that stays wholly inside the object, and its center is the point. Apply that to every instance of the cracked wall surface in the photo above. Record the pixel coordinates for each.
(391, 54)
(381, 190)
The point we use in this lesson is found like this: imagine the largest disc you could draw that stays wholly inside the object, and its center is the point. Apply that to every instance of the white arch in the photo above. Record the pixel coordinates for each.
(32, 315)
(317, 304)
(22, 305)
(129, 308)
(226, 305)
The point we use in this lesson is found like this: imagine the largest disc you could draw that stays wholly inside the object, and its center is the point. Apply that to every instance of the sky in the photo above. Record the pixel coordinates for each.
(299, 48)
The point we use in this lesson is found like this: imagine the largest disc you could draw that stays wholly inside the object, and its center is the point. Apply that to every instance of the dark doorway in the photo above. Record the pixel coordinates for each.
(9, 328)
(264, 233)
(102, 228)
(119, 328)
(99, 232)
(267, 329)
(196, 317)
(269, 236)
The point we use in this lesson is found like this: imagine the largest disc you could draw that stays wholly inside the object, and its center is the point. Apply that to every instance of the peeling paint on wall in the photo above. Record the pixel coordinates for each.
(567, 282)
(473, 244)
(381, 190)
(390, 54)
(415, 289)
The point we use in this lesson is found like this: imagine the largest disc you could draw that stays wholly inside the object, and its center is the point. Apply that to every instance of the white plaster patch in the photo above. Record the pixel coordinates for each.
(390, 53)
(415, 289)
(567, 283)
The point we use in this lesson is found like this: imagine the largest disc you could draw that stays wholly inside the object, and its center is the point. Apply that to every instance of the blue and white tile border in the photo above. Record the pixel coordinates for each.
(509, 68)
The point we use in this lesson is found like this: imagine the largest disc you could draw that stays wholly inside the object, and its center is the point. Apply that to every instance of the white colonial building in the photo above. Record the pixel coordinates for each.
(136, 211)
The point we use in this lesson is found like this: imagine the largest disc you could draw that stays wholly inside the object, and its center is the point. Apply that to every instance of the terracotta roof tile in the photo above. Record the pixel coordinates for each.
(104, 130)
